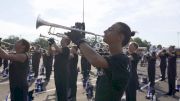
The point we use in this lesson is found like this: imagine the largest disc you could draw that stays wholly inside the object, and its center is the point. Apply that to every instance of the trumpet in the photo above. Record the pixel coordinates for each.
(57, 34)
(42, 36)
(41, 22)
(6, 43)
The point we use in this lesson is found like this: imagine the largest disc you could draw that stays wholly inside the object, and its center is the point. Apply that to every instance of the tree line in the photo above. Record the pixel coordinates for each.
(91, 40)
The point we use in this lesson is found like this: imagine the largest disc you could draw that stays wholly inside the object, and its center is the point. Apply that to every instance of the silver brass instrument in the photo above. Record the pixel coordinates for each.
(6, 43)
(42, 36)
(41, 22)
(57, 34)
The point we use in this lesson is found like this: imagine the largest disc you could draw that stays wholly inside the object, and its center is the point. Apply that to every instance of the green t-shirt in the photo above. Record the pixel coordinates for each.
(112, 83)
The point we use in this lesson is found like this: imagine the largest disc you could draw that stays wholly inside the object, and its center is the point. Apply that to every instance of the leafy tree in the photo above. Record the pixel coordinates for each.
(11, 39)
(42, 42)
(93, 40)
(142, 43)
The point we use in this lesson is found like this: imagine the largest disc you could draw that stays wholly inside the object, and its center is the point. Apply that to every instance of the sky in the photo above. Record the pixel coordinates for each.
(157, 21)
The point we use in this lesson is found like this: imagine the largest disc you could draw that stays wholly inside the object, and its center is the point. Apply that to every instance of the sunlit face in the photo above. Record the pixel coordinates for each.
(65, 42)
(132, 48)
(170, 49)
(19, 47)
(37, 47)
(112, 34)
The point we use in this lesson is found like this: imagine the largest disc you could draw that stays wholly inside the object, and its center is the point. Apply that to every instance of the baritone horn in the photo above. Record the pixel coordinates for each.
(41, 22)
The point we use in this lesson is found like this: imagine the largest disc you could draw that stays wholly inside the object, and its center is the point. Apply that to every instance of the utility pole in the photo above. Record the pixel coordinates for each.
(178, 33)
(83, 10)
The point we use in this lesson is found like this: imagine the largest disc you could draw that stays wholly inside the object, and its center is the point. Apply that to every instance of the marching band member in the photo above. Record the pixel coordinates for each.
(172, 70)
(5, 66)
(18, 70)
(112, 84)
(73, 72)
(151, 57)
(85, 67)
(5, 62)
(0, 62)
(60, 68)
(36, 56)
(163, 63)
(47, 61)
(133, 84)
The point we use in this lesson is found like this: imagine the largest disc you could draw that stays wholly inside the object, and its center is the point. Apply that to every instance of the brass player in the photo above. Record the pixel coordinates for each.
(133, 81)
(48, 61)
(60, 67)
(111, 85)
(172, 72)
(163, 63)
(36, 56)
(18, 70)
(73, 72)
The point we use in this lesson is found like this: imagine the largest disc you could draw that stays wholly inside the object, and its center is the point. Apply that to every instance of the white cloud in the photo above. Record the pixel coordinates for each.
(151, 9)
(8, 28)
(149, 17)
(95, 10)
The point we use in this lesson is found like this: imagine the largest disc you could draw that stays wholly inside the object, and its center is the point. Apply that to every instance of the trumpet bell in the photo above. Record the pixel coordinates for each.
(40, 22)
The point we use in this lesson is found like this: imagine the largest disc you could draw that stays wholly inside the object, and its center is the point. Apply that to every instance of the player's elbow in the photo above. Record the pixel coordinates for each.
(101, 63)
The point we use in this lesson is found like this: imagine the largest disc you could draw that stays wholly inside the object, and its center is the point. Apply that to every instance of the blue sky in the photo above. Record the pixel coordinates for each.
(157, 21)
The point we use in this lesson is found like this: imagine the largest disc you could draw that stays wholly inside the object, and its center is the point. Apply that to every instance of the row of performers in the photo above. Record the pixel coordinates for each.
(163, 55)
(118, 70)
(4, 63)
(167, 61)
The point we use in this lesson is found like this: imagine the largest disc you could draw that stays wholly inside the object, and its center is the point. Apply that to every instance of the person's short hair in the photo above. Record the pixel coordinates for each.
(126, 31)
(67, 40)
(26, 44)
(37, 45)
(135, 44)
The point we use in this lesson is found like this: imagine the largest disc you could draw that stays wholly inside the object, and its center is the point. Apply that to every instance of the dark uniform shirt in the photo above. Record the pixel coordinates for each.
(73, 64)
(36, 56)
(73, 73)
(133, 69)
(61, 73)
(172, 64)
(0, 62)
(163, 57)
(5, 63)
(47, 59)
(111, 85)
(85, 65)
(18, 73)
(151, 60)
(61, 60)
